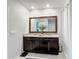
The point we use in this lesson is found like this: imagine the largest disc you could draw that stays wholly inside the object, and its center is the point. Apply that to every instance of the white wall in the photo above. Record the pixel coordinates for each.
(66, 30)
(44, 12)
(17, 15)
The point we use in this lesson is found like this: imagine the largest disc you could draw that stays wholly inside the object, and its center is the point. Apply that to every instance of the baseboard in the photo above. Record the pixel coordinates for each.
(66, 56)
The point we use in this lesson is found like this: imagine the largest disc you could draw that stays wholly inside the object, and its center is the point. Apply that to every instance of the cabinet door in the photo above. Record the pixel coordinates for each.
(35, 45)
(27, 45)
(53, 45)
(43, 45)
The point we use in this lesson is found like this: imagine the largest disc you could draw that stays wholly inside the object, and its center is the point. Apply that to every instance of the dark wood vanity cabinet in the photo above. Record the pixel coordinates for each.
(47, 45)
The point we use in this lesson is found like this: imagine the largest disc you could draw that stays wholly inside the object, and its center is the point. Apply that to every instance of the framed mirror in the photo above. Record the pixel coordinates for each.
(46, 24)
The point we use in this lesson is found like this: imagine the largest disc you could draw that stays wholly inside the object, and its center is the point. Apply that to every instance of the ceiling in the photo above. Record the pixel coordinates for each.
(40, 4)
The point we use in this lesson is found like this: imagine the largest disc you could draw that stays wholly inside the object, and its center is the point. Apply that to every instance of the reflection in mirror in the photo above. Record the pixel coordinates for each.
(43, 24)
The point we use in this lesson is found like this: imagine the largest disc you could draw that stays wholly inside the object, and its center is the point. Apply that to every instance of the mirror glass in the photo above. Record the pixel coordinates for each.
(43, 24)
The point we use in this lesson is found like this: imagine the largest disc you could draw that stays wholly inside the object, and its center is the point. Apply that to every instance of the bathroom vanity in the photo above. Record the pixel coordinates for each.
(41, 44)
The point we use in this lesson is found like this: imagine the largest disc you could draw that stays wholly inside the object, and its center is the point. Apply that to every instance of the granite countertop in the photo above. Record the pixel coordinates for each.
(41, 35)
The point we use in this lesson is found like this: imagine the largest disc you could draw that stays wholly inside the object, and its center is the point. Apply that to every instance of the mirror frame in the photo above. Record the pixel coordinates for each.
(30, 18)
